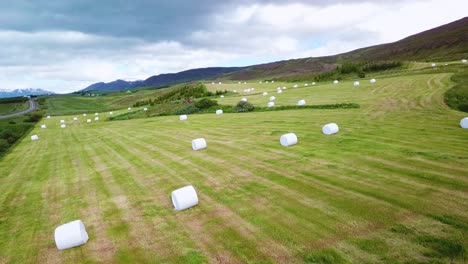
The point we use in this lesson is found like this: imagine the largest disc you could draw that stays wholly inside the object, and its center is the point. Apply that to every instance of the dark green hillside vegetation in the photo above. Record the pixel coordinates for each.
(457, 96)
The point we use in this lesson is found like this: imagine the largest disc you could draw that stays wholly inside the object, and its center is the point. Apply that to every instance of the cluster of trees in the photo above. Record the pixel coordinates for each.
(360, 69)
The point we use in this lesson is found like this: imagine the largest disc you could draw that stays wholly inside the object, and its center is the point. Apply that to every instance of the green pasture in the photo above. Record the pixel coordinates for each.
(390, 187)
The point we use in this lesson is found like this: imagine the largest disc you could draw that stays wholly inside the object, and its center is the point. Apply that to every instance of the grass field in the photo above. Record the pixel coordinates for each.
(10, 108)
(390, 187)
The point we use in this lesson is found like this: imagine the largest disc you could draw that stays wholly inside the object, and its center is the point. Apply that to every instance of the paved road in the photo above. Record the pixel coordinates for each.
(32, 107)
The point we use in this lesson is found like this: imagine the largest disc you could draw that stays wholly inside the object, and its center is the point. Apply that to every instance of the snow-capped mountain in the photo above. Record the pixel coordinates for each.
(23, 92)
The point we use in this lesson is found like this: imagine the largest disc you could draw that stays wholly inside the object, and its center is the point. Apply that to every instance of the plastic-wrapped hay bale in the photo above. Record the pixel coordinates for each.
(313, 83)
(356, 83)
(62, 121)
(96, 114)
(48, 117)
(88, 121)
(222, 96)
(183, 117)
(219, 112)
(70, 235)
(463, 61)
(330, 129)
(306, 84)
(271, 104)
(34, 137)
(464, 122)
(96, 118)
(84, 114)
(280, 91)
(75, 118)
(372, 80)
(129, 108)
(335, 82)
(235, 91)
(63, 126)
(295, 86)
(184, 198)
(111, 113)
(145, 109)
(288, 139)
(43, 126)
(301, 102)
(198, 143)
(264, 93)
(272, 98)
(244, 99)
(433, 65)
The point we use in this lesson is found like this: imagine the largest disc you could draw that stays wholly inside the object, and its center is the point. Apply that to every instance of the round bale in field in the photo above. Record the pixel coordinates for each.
(84, 114)
(301, 102)
(88, 121)
(264, 93)
(111, 113)
(222, 96)
(75, 118)
(313, 83)
(96, 114)
(356, 83)
(271, 104)
(463, 61)
(272, 98)
(198, 143)
(183, 117)
(288, 139)
(129, 108)
(244, 99)
(464, 122)
(63, 126)
(330, 129)
(62, 121)
(372, 80)
(219, 112)
(43, 126)
(145, 109)
(280, 91)
(335, 82)
(433, 65)
(96, 118)
(34, 137)
(184, 198)
(70, 235)
(48, 117)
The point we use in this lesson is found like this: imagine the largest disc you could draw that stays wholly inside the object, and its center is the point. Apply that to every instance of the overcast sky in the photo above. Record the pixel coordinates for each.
(66, 45)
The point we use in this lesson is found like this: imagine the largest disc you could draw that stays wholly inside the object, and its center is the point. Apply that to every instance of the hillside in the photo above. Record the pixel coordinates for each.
(165, 79)
(447, 42)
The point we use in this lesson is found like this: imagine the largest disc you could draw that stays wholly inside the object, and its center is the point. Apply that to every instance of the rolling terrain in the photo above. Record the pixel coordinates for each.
(390, 187)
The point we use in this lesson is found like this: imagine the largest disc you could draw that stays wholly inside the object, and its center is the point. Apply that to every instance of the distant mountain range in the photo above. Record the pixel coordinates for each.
(23, 92)
(165, 79)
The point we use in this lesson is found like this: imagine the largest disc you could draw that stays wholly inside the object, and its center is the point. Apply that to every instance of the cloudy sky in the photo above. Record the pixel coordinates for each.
(64, 46)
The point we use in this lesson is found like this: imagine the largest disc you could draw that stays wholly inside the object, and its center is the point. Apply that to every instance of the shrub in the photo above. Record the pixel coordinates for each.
(205, 103)
(244, 107)
(33, 118)
(187, 110)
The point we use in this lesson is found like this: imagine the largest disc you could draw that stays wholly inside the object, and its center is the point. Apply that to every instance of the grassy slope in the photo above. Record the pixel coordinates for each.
(10, 108)
(390, 187)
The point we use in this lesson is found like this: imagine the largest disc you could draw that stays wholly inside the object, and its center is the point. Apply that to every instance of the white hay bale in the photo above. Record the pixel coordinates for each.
(433, 64)
(356, 83)
(34, 137)
(260, 82)
(335, 82)
(145, 109)
(266, 82)
(111, 113)
(88, 121)
(96, 114)
(96, 118)
(301, 102)
(198, 143)
(84, 114)
(220, 83)
(48, 117)
(63, 126)
(278, 88)
(184, 198)
(62, 121)
(284, 87)
(313, 83)
(330, 129)
(252, 89)
(43, 126)
(295, 86)
(129, 108)
(288, 139)
(271, 104)
(306, 84)
(272, 81)
(75, 118)
(70, 235)
(272, 98)
(463, 61)
(183, 117)
(245, 82)
(264, 93)
(244, 99)
(280, 91)
(222, 96)
(464, 122)
(238, 82)
(219, 112)
(372, 81)
(212, 83)
(235, 91)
